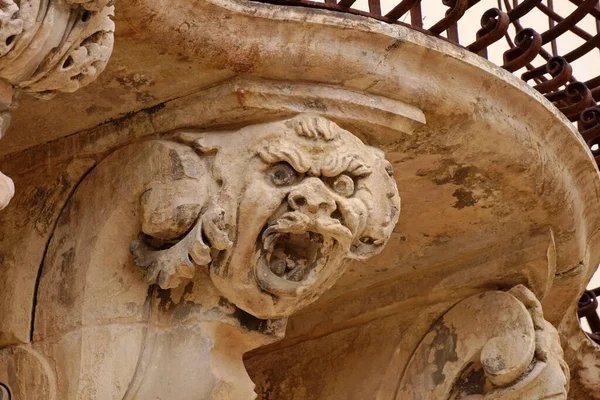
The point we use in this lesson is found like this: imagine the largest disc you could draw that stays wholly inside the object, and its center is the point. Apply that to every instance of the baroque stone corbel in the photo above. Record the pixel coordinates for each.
(239, 229)
(495, 345)
(321, 197)
(50, 46)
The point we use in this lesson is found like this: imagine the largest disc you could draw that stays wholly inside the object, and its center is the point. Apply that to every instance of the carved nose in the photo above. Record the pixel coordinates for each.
(312, 197)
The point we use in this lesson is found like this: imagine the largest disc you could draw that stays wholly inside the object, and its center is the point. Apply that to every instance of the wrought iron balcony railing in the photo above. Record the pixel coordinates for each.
(588, 309)
(532, 51)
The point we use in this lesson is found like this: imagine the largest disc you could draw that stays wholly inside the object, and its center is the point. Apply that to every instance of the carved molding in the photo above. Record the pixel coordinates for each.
(495, 345)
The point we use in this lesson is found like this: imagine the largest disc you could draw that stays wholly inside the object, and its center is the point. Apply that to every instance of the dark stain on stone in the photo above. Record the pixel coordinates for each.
(445, 344)
(176, 165)
(495, 365)
(66, 292)
(223, 302)
(265, 390)
(65, 215)
(166, 302)
(471, 382)
(188, 288)
(449, 171)
(133, 82)
(97, 109)
(315, 104)
(147, 308)
(154, 109)
(464, 198)
(183, 311)
(144, 97)
(248, 321)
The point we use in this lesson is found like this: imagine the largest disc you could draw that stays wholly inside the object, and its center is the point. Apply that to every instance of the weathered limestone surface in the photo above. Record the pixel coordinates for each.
(583, 356)
(310, 196)
(498, 191)
(495, 345)
(48, 47)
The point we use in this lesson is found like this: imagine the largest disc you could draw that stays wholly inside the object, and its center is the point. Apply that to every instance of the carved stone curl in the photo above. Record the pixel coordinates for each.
(495, 345)
(283, 207)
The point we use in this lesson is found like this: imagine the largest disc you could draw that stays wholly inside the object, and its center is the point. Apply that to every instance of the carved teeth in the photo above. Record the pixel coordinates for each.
(291, 250)
(297, 274)
(278, 267)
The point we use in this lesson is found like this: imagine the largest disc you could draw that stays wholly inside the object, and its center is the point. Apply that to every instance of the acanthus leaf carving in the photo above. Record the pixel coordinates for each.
(74, 62)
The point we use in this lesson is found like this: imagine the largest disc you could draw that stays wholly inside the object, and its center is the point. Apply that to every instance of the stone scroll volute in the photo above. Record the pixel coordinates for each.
(237, 229)
(495, 345)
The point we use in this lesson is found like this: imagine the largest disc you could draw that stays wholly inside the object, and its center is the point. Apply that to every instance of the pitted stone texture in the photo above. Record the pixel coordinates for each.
(65, 50)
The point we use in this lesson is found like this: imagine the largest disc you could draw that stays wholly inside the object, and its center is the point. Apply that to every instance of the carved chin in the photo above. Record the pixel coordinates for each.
(289, 264)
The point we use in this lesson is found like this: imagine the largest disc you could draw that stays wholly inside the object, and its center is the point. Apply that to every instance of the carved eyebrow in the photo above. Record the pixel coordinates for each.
(272, 155)
(347, 163)
(329, 166)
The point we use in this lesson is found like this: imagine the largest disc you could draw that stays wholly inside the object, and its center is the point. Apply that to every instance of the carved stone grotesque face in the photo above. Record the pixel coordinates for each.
(295, 199)
(309, 196)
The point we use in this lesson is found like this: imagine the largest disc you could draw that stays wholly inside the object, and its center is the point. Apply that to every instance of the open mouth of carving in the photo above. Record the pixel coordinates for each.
(292, 256)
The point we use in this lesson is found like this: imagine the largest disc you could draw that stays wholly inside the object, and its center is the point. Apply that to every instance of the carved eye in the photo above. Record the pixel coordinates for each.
(343, 185)
(282, 174)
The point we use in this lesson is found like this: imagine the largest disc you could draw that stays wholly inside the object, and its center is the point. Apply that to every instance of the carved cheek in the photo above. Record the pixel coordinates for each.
(375, 223)
(354, 214)
(258, 203)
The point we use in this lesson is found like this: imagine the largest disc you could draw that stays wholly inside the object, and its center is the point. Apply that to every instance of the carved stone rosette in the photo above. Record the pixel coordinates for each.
(50, 46)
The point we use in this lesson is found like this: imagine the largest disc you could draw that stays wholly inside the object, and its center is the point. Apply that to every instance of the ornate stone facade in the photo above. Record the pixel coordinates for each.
(225, 221)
